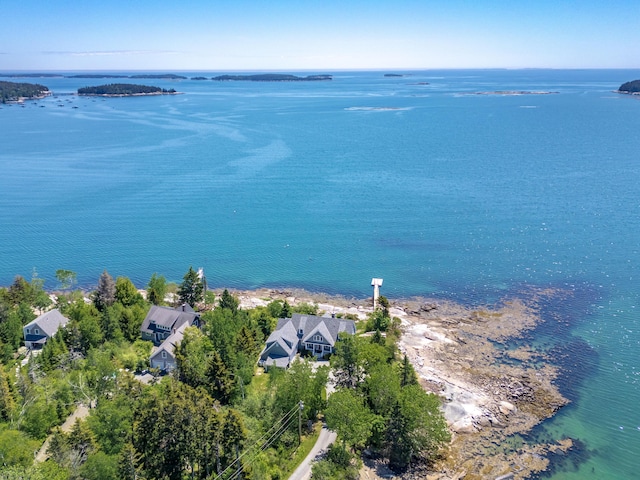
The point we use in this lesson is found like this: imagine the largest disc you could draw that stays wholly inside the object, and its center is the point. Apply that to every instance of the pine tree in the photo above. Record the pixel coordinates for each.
(286, 310)
(82, 442)
(233, 437)
(191, 288)
(408, 374)
(228, 301)
(220, 381)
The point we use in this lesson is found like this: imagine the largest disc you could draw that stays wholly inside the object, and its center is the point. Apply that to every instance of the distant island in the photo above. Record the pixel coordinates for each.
(162, 76)
(272, 77)
(31, 75)
(513, 92)
(17, 92)
(124, 90)
(632, 88)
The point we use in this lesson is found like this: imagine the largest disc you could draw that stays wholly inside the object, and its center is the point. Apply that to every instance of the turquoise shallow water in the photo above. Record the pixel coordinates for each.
(324, 185)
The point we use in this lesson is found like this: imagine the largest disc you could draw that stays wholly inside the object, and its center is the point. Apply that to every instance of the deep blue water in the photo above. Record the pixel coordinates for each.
(324, 185)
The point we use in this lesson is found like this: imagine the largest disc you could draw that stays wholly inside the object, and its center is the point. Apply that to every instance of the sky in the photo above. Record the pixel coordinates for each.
(319, 35)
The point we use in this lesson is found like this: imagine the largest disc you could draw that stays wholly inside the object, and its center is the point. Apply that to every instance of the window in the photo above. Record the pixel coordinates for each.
(327, 348)
(309, 346)
(300, 332)
(317, 338)
(36, 331)
(28, 331)
(164, 354)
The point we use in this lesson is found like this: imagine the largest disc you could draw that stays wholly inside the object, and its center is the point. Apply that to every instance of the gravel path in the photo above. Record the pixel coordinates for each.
(81, 412)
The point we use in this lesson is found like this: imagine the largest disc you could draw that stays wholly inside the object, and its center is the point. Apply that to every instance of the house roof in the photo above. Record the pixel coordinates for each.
(49, 322)
(328, 327)
(169, 318)
(287, 336)
(282, 362)
(169, 345)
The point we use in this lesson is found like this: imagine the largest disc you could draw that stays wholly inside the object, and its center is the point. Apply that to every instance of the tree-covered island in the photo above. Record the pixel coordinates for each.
(124, 90)
(632, 87)
(16, 92)
(273, 77)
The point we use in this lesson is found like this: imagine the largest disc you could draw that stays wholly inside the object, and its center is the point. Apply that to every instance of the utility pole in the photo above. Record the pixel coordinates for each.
(301, 406)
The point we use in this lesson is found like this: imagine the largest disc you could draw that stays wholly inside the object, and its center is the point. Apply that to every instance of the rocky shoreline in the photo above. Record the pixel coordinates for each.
(492, 392)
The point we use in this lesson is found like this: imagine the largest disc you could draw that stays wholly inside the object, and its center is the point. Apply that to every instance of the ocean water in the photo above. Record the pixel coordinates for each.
(324, 185)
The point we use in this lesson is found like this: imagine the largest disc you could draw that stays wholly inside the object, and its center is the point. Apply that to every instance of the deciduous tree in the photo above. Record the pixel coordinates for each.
(349, 417)
(156, 289)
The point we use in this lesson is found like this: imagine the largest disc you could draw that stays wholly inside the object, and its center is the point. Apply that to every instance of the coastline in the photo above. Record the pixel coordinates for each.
(127, 94)
(491, 393)
(21, 100)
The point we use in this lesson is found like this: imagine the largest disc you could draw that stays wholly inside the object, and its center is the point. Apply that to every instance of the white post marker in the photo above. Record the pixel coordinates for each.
(376, 283)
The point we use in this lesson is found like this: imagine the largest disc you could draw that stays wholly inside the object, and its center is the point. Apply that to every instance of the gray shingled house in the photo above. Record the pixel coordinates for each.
(38, 331)
(161, 322)
(164, 356)
(165, 326)
(317, 335)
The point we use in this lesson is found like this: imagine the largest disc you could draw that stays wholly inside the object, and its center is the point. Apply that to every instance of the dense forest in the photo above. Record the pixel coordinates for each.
(123, 89)
(12, 91)
(217, 415)
(272, 77)
(630, 87)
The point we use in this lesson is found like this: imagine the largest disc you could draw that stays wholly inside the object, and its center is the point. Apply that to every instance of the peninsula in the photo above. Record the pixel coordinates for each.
(273, 77)
(11, 92)
(124, 90)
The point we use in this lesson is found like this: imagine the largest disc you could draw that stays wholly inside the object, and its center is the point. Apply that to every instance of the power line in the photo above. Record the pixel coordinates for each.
(287, 418)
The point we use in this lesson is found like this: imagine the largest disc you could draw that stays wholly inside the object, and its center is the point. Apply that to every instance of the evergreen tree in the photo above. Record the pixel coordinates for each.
(191, 288)
(220, 382)
(408, 374)
(233, 438)
(347, 362)
(129, 463)
(81, 442)
(111, 323)
(105, 294)
(229, 301)
(377, 338)
(265, 324)
(286, 310)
